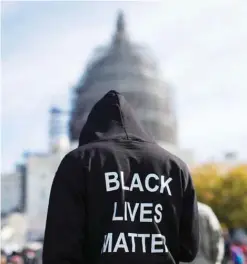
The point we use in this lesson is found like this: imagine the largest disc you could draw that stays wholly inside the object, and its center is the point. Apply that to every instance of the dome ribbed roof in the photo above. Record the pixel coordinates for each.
(130, 69)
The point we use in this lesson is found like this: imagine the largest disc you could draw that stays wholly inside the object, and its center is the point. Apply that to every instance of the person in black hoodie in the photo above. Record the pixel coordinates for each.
(119, 197)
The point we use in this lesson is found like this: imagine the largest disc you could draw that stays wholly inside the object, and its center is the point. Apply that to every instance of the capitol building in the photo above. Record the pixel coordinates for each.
(123, 66)
(128, 68)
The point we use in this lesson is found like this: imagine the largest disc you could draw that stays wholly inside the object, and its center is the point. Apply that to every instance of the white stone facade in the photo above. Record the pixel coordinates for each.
(10, 191)
(132, 70)
(41, 170)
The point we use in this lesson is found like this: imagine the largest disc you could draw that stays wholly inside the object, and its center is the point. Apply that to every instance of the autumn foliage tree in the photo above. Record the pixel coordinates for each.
(225, 191)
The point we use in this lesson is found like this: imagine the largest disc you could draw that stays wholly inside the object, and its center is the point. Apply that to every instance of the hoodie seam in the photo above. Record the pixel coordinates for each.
(120, 139)
(122, 119)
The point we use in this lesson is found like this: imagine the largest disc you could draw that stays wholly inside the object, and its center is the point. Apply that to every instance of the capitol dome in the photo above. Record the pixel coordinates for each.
(128, 68)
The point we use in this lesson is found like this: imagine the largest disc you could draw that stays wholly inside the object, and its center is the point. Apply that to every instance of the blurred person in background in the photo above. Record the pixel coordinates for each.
(32, 253)
(238, 254)
(100, 194)
(244, 247)
(238, 247)
(3, 257)
(227, 240)
(29, 256)
(16, 258)
(211, 248)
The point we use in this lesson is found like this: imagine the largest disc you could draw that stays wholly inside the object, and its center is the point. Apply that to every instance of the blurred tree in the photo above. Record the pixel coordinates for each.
(206, 179)
(225, 191)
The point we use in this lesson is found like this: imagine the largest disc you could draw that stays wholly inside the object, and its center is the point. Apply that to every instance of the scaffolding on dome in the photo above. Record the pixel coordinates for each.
(132, 70)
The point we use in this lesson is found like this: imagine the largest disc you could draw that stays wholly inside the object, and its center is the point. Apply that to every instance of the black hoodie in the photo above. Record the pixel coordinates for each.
(119, 197)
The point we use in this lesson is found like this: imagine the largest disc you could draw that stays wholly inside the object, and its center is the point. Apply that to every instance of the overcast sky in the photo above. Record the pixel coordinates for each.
(201, 47)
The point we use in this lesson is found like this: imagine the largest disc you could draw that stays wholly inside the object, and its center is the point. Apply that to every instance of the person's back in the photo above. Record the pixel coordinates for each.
(237, 254)
(211, 249)
(3, 257)
(119, 197)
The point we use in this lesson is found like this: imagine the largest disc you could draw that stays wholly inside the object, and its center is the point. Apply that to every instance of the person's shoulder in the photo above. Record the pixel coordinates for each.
(91, 146)
(204, 208)
(72, 157)
(171, 158)
(153, 150)
(206, 211)
(82, 152)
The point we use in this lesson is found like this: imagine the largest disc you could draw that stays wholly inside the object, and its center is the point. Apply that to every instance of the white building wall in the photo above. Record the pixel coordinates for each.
(41, 170)
(10, 191)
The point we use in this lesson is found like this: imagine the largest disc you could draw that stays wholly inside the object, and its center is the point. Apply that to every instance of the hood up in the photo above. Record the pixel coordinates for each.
(112, 118)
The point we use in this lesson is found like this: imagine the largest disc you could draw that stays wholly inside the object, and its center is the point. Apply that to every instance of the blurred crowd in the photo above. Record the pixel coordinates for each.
(28, 255)
(235, 252)
(235, 243)
(217, 246)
